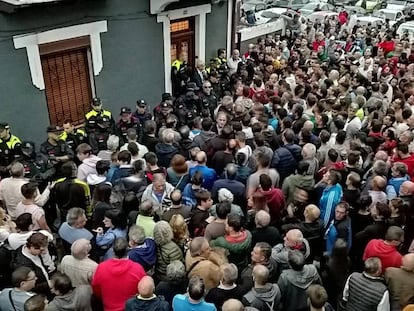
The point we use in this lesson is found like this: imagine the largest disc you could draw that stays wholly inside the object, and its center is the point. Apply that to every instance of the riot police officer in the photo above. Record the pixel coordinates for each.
(9, 148)
(72, 136)
(124, 123)
(99, 124)
(163, 110)
(37, 167)
(188, 106)
(56, 150)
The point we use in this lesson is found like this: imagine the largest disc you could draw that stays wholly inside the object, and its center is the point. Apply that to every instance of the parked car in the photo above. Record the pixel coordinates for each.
(371, 5)
(374, 21)
(393, 16)
(311, 7)
(321, 15)
(407, 28)
(269, 15)
(291, 4)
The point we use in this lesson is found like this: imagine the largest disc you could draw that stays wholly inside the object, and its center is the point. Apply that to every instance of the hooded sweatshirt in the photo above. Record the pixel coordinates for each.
(265, 298)
(203, 138)
(106, 282)
(87, 167)
(293, 285)
(388, 254)
(165, 152)
(78, 299)
(144, 254)
(276, 203)
(292, 182)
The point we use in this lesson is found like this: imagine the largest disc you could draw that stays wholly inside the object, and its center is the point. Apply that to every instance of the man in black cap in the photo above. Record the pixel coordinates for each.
(37, 167)
(142, 114)
(9, 148)
(125, 122)
(57, 151)
(99, 124)
(163, 110)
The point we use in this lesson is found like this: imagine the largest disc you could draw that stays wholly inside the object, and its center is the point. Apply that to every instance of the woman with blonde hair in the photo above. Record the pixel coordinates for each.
(180, 230)
(7, 226)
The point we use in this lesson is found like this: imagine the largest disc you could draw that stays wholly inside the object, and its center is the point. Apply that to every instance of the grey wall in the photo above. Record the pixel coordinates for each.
(132, 57)
(216, 36)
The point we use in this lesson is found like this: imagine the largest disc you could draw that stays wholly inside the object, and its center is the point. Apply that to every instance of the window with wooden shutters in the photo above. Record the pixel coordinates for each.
(67, 74)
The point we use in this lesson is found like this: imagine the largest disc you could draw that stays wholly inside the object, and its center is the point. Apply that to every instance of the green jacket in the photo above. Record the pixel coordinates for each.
(239, 251)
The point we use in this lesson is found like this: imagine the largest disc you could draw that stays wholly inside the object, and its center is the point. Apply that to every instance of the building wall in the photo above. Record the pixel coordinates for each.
(216, 36)
(132, 57)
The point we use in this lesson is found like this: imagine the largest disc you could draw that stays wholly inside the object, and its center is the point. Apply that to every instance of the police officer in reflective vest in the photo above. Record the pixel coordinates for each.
(99, 124)
(9, 148)
(179, 74)
(125, 122)
(72, 136)
(56, 150)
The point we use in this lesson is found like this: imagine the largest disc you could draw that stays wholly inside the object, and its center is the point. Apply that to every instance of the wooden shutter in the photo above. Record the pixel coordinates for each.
(67, 85)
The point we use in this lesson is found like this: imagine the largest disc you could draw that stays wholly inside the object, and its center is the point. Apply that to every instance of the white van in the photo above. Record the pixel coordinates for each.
(407, 27)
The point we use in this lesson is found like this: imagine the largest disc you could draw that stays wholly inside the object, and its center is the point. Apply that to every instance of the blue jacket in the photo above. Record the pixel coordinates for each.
(331, 196)
(144, 254)
(209, 175)
(338, 230)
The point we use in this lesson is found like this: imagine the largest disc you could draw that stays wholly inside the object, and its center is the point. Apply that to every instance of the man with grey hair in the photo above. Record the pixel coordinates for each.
(263, 231)
(264, 295)
(74, 227)
(230, 183)
(142, 250)
(366, 290)
(158, 193)
(165, 149)
(294, 282)
(353, 123)
(227, 288)
(309, 156)
(112, 145)
(10, 193)
(78, 266)
(176, 281)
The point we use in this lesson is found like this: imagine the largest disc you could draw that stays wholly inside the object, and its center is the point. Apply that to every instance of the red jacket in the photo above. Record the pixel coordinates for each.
(276, 203)
(388, 254)
(410, 165)
(387, 46)
(115, 281)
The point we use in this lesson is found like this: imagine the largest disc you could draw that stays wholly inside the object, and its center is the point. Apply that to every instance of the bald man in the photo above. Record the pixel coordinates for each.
(209, 174)
(232, 305)
(293, 240)
(401, 283)
(377, 192)
(263, 295)
(146, 299)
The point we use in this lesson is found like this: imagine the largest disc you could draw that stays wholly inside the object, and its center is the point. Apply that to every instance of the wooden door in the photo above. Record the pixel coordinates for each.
(67, 76)
(183, 39)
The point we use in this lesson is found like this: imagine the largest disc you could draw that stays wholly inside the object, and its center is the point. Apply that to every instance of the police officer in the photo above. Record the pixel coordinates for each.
(179, 74)
(37, 167)
(99, 124)
(208, 100)
(163, 110)
(9, 148)
(56, 150)
(125, 122)
(142, 114)
(72, 136)
(188, 106)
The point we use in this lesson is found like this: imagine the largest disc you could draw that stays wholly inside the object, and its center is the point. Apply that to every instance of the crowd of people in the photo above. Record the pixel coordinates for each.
(279, 179)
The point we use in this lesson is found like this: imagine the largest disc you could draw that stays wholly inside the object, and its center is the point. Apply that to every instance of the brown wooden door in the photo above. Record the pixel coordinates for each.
(183, 39)
(67, 85)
